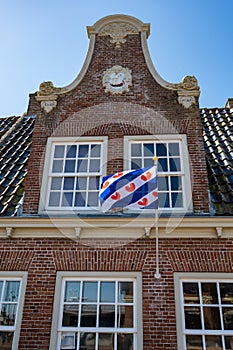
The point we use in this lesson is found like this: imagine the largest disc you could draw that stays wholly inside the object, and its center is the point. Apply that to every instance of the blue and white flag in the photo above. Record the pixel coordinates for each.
(132, 189)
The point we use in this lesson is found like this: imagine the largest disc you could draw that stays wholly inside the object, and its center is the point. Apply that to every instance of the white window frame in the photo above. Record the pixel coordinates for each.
(136, 277)
(179, 278)
(22, 278)
(185, 166)
(45, 190)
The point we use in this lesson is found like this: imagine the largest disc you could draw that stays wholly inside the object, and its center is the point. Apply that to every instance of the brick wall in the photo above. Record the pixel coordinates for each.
(42, 258)
(147, 108)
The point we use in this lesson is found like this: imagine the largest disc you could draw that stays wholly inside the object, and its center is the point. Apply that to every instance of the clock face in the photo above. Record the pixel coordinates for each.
(117, 80)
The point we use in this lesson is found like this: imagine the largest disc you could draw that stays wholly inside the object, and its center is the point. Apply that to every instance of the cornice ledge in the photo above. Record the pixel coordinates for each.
(187, 90)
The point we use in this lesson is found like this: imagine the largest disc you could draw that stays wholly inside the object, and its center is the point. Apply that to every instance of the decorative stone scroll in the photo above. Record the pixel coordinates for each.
(47, 95)
(118, 32)
(187, 91)
(117, 80)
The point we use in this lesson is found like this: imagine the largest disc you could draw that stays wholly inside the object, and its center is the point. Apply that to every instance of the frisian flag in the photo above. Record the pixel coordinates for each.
(132, 189)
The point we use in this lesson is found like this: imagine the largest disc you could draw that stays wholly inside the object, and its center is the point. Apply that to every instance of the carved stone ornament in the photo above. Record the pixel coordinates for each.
(47, 95)
(186, 101)
(190, 83)
(118, 32)
(117, 80)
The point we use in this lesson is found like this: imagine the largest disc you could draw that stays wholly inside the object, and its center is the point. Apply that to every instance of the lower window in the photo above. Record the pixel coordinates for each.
(12, 289)
(98, 312)
(205, 318)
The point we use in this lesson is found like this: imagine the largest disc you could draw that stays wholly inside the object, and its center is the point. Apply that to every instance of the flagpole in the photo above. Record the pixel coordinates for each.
(157, 273)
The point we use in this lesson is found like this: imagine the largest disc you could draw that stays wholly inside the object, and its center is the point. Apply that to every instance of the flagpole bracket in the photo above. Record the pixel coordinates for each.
(147, 231)
(77, 231)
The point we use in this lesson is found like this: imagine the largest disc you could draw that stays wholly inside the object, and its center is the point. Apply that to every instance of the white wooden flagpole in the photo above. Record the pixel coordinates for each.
(157, 273)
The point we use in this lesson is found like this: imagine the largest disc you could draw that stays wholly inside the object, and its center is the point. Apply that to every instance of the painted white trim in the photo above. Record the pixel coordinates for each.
(47, 164)
(180, 277)
(22, 277)
(185, 165)
(116, 226)
(61, 275)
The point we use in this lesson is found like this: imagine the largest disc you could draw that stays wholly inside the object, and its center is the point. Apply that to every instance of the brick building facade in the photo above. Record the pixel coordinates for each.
(88, 279)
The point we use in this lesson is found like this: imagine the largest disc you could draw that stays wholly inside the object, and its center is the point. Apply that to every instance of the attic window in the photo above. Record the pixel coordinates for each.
(74, 174)
(174, 188)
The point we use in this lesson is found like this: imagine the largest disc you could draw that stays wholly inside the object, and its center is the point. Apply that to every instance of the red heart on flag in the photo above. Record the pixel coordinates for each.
(131, 187)
(155, 194)
(105, 184)
(118, 175)
(146, 176)
(143, 202)
(115, 196)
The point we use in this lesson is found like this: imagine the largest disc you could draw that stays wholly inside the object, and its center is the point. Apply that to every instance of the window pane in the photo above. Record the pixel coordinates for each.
(56, 183)
(125, 292)
(95, 150)
(80, 199)
(6, 340)
(68, 341)
(71, 151)
(209, 293)
(72, 291)
(226, 290)
(88, 315)
(106, 341)
(107, 316)
(213, 342)
(1, 284)
(229, 342)
(164, 200)
(70, 315)
(125, 316)
(192, 317)
(81, 183)
(57, 166)
(228, 317)
(87, 341)
(174, 149)
(67, 198)
(94, 165)
(83, 151)
(148, 149)
(161, 150)
(11, 291)
(125, 341)
(162, 165)
(54, 199)
(82, 166)
(94, 183)
(194, 342)
(176, 183)
(211, 318)
(59, 151)
(89, 292)
(148, 162)
(163, 183)
(68, 183)
(191, 294)
(136, 163)
(177, 200)
(69, 166)
(93, 199)
(7, 316)
(174, 164)
(136, 150)
(107, 292)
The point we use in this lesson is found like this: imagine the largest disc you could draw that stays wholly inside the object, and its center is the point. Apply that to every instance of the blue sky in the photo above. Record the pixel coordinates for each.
(46, 40)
